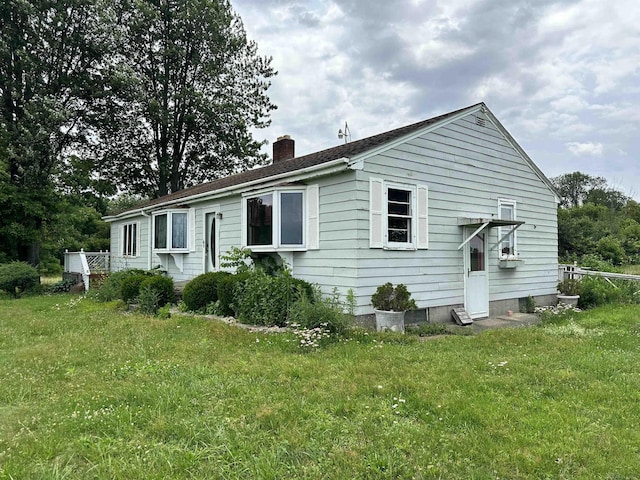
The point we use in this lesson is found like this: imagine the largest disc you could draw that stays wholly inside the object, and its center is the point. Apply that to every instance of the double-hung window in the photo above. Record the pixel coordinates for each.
(171, 230)
(130, 240)
(507, 247)
(398, 215)
(275, 219)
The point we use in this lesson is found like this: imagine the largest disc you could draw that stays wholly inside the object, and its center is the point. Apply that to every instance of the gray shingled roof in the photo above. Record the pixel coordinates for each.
(347, 150)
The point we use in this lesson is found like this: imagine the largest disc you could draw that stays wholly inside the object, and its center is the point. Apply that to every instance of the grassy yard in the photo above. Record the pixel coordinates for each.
(91, 392)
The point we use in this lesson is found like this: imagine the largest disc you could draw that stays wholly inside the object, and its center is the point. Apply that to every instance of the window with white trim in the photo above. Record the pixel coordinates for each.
(130, 240)
(507, 211)
(398, 215)
(276, 219)
(400, 209)
(171, 230)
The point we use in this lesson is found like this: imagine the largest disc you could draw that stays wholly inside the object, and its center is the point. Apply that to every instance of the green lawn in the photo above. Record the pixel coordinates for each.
(90, 392)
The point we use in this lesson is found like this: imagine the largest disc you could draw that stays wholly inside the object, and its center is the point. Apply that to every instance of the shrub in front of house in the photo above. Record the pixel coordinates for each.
(202, 290)
(320, 312)
(162, 286)
(265, 300)
(111, 288)
(227, 287)
(130, 287)
(18, 277)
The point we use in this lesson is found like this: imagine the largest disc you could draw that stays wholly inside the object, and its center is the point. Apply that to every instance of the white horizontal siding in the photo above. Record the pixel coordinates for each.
(467, 168)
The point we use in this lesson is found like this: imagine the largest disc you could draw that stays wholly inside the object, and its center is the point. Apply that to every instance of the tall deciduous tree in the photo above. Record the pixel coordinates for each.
(574, 187)
(187, 87)
(50, 52)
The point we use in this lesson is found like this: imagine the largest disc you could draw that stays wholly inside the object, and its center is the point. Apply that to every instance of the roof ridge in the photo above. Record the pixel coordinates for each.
(298, 163)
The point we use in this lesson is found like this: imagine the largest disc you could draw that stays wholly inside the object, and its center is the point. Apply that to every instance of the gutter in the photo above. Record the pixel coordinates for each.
(313, 171)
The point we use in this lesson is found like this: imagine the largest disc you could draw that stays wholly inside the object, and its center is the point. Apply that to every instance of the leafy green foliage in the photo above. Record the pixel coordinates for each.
(148, 300)
(18, 277)
(61, 287)
(130, 287)
(50, 54)
(570, 286)
(527, 305)
(393, 299)
(162, 286)
(326, 312)
(202, 290)
(598, 226)
(265, 300)
(182, 112)
(227, 287)
(111, 288)
(610, 249)
(238, 259)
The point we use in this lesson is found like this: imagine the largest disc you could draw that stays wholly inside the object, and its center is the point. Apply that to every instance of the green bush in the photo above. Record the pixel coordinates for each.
(326, 313)
(570, 286)
(391, 299)
(110, 289)
(596, 291)
(265, 300)
(61, 286)
(162, 285)
(148, 300)
(611, 250)
(227, 287)
(130, 287)
(202, 290)
(18, 277)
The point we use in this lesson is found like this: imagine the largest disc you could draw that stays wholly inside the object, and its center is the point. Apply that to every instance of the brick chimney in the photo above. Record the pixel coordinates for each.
(283, 149)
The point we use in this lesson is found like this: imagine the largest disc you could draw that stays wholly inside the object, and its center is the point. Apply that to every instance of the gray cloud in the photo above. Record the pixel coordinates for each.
(556, 73)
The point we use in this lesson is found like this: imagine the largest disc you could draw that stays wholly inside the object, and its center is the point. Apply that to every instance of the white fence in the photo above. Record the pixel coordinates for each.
(86, 264)
(576, 272)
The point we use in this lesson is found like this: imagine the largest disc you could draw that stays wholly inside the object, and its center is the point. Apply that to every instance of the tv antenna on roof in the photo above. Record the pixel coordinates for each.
(346, 133)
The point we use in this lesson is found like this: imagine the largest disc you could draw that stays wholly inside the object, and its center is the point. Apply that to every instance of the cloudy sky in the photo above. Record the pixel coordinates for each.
(562, 76)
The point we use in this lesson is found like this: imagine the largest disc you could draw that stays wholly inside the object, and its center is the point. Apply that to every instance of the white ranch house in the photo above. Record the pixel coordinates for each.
(451, 206)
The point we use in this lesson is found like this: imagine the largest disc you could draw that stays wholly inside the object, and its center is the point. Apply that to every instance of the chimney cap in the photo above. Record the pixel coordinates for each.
(283, 137)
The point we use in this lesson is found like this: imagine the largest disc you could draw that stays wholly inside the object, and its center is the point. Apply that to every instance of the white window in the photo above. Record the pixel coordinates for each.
(130, 240)
(400, 211)
(171, 230)
(398, 216)
(507, 211)
(279, 219)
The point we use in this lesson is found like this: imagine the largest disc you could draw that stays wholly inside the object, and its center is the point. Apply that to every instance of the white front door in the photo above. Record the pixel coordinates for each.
(476, 297)
(210, 244)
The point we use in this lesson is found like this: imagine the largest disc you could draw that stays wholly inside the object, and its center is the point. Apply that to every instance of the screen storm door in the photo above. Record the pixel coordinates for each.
(476, 298)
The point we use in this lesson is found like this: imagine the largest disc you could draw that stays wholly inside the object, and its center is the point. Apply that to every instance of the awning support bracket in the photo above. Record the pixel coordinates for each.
(515, 227)
(477, 231)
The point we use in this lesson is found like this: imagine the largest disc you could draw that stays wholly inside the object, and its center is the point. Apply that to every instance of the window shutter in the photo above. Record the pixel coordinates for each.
(423, 217)
(376, 207)
(191, 225)
(313, 217)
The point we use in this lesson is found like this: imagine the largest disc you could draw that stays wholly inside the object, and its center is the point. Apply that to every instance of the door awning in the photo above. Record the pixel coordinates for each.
(482, 223)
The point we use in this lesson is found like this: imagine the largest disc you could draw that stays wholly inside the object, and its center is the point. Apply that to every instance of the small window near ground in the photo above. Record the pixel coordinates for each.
(130, 240)
(507, 211)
